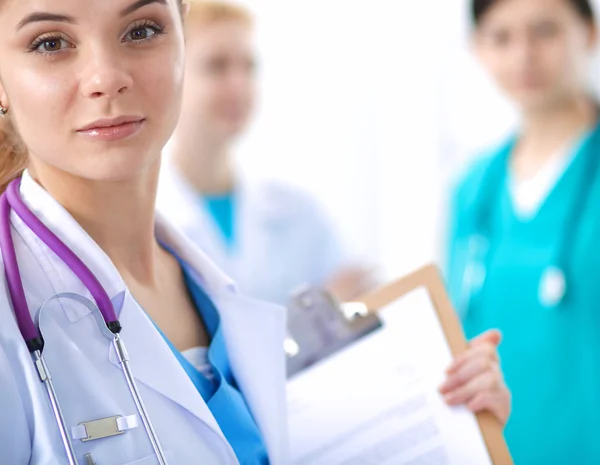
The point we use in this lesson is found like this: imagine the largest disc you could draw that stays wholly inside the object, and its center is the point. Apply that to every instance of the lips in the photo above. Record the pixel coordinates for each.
(112, 129)
(111, 122)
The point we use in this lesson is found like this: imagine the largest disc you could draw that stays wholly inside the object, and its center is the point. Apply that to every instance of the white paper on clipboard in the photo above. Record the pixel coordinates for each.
(377, 401)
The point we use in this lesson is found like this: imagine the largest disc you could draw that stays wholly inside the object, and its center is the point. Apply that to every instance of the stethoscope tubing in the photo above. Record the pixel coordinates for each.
(492, 187)
(11, 200)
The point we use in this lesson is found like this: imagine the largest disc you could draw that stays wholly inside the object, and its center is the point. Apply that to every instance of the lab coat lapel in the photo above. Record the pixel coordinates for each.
(209, 238)
(254, 333)
(246, 237)
(146, 343)
(254, 336)
(148, 350)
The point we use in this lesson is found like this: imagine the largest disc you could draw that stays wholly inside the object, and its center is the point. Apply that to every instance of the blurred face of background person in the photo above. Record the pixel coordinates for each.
(219, 88)
(538, 51)
(229, 214)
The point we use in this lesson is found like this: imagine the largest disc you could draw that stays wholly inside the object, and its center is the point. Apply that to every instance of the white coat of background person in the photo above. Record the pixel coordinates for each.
(268, 236)
(88, 125)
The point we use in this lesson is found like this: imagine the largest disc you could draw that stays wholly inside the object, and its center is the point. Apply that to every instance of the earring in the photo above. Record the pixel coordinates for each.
(3, 111)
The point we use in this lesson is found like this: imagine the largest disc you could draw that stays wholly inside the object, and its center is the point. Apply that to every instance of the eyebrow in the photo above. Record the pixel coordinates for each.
(42, 16)
(37, 17)
(139, 4)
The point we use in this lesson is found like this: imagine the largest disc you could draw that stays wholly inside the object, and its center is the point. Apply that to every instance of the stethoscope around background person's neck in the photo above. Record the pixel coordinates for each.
(554, 279)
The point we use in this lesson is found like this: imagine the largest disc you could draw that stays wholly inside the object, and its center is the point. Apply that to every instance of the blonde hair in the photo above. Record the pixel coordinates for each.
(206, 12)
(13, 156)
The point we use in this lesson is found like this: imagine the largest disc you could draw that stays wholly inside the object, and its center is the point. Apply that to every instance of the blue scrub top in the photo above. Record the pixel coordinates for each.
(224, 399)
(222, 211)
(550, 355)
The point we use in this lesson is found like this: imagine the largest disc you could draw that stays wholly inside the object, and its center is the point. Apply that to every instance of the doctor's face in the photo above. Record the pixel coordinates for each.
(219, 89)
(536, 50)
(93, 86)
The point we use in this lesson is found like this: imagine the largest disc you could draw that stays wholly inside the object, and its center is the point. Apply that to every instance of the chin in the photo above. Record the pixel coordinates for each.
(118, 166)
(233, 129)
(535, 100)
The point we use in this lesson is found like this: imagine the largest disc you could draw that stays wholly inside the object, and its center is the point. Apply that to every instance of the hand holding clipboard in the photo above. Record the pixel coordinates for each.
(376, 401)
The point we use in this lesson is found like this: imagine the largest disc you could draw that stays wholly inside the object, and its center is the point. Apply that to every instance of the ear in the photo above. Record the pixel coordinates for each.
(592, 37)
(3, 97)
(475, 44)
(185, 9)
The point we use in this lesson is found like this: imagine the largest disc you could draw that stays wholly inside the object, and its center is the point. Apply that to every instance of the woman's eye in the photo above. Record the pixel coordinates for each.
(51, 45)
(142, 33)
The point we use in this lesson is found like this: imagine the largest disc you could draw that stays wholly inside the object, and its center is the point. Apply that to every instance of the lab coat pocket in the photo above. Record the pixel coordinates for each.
(152, 460)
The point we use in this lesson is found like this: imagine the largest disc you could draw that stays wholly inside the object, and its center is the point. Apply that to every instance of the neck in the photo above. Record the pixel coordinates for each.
(205, 165)
(118, 215)
(548, 131)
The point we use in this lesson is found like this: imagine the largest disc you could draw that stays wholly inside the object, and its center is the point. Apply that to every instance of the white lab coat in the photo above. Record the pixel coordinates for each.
(86, 373)
(283, 239)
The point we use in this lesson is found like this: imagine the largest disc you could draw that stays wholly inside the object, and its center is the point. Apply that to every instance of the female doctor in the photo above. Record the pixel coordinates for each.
(90, 92)
(524, 243)
(270, 238)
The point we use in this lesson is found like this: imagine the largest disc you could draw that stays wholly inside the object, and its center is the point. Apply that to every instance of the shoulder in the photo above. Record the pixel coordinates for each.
(8, 324)
(14, 357)
(285, 200)
(286, 193)
(10, 336)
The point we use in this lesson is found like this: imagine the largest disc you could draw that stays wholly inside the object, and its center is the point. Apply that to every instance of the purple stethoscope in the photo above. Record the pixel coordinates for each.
(104, 311)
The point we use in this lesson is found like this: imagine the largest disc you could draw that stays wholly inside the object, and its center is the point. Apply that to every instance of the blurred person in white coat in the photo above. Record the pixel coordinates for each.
(269, 237)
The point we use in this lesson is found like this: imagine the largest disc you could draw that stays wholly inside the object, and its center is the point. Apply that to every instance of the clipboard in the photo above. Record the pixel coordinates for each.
(430, 278)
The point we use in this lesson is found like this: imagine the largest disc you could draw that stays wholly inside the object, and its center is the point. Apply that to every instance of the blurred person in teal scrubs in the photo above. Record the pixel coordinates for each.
(525, 224)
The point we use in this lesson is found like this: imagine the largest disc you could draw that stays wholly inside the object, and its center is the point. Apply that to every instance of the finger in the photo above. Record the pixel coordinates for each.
(482, 402)
(361, 283)
(493, 337)
(468, 371)
(496, 403)
(486, 350)
(488, 381)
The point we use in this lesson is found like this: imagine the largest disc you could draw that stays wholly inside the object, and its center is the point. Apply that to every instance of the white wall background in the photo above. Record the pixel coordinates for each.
(371, 106)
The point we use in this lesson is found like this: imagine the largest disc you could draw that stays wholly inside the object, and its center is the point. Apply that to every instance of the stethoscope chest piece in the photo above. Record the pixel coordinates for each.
(553, 287)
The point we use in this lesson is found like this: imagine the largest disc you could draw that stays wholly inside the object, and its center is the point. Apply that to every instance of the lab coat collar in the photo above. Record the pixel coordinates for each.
(260, 197)
(58, 219)
(271, 201)
(254, 334)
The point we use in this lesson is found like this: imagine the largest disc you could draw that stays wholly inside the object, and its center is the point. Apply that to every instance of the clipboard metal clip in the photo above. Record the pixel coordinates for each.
(354, 310)
(319, 325)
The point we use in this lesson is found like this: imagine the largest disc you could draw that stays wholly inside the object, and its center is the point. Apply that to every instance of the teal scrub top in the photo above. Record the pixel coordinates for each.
(221, 394)
(550, 355)
(222, 211)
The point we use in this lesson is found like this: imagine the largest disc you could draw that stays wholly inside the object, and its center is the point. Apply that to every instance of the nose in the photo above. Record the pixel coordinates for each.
(525, 49)
(241, 82)
(104, 74)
